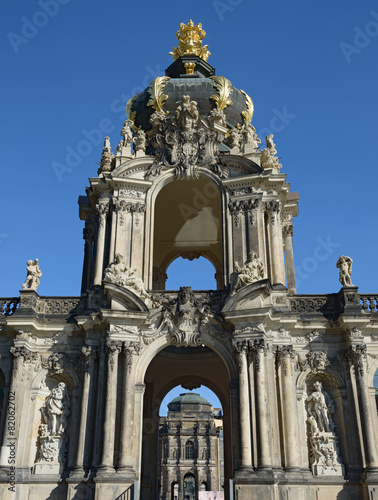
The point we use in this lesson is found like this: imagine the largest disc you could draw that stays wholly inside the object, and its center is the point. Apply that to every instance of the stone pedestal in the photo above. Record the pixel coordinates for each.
(52, 455)
(324, 455)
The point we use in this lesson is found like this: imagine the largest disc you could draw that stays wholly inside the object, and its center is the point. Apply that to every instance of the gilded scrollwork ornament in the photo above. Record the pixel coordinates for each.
(157, 97)
(224, 88)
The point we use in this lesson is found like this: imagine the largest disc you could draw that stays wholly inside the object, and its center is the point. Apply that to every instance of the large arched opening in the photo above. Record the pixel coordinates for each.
(188, 224)
(189, 367)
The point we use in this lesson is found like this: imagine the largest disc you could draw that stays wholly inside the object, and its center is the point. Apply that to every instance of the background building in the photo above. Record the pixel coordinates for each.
(190, 448)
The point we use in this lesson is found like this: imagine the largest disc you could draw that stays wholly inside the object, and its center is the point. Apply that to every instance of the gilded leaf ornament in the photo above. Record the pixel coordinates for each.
(131, 115)
(155, 89)
(248, 114)
(224, 87)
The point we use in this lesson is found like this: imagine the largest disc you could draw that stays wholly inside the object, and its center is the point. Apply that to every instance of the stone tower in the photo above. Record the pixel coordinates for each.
(83, 377)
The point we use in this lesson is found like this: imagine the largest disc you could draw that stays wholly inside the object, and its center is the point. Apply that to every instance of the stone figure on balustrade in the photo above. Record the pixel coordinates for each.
(33, 275)
(345, 265)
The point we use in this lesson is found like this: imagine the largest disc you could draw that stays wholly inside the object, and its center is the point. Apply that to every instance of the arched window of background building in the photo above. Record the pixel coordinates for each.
(189, 487)
(203, 486)
(189, 450)
(175, 491)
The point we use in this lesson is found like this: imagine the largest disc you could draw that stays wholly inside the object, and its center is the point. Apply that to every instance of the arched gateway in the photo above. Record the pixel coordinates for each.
(86, 375)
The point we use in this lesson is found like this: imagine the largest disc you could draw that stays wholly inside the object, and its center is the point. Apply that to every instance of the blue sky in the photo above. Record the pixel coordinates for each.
(69, 66)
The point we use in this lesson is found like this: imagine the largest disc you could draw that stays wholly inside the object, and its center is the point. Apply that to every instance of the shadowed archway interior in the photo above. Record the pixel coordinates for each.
(190, 367)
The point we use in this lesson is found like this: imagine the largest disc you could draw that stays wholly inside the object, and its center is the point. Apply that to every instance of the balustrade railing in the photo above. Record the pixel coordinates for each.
(369, 302)
(8, 306)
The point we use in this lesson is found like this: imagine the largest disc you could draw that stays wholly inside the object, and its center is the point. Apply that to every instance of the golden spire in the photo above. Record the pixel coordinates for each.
(190, 42)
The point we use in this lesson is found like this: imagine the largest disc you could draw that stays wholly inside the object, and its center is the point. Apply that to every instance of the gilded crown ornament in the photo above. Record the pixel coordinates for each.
(190, 42)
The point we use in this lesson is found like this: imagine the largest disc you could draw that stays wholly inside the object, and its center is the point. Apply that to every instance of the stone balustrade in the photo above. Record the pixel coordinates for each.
(299, 304)
(369, 302)
(8, 306)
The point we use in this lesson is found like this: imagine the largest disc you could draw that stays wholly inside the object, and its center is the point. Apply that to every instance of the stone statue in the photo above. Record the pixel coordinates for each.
(106, 157)
(250, 137)
(140, 141)
(33, 275)
(268, 156)
(235, 138)
(324, 450)
(127, 134)
(345, 265)
(318, 410)
(119, 273)
(253, 270)
(56, 410)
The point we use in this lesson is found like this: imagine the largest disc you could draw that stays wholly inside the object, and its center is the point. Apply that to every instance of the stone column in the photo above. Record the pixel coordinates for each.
(128, 395)
(88, 235)
(88, 356)
(251, 207)
(73, 436)
(113, 350)
(138, 425)
(102, 211)
(276, 254)
(238, 232)
(99, 404)
(137, 243)
(288, 232)
(12, 406)
(359, 353)
(113, 232)
(289, 408)
(244, 411)
(263, 423)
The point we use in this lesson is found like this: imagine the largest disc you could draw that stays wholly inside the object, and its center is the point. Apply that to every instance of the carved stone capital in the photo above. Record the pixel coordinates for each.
(288, 231)
(359, 356)
(113, 348)
(272, 206)
(88, 355)
(285, 356)
(260, 349)
(22, 355)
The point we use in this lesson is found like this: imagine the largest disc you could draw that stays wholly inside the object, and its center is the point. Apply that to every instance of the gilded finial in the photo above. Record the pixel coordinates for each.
(190, 42)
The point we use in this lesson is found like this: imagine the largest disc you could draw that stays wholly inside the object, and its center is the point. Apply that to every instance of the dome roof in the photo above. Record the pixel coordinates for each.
(190, 75)
(199, 88)
(190, 398)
